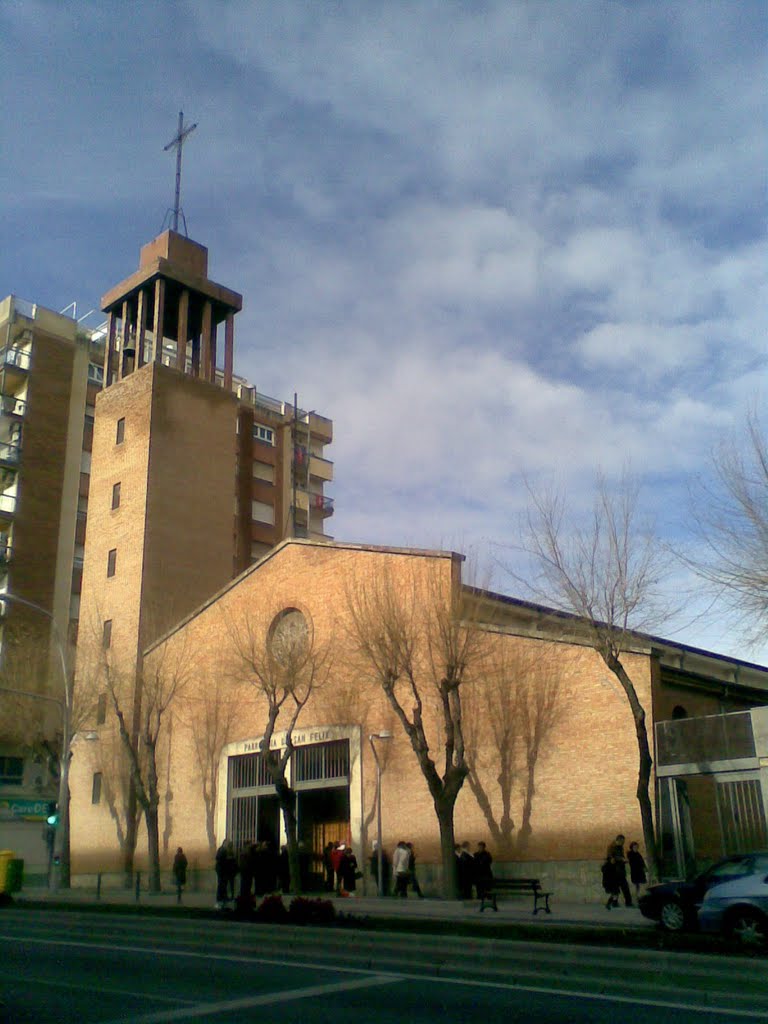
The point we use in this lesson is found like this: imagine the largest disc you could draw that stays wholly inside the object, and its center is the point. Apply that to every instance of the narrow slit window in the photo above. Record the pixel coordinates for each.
(112, 562)
(116, 495)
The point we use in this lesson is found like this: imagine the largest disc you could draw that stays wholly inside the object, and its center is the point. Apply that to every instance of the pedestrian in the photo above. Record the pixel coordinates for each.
(483, 870)
(247, 864)
(616, 853)
(610, 882)
(401, 865)
(385, 868)
(337, 856)
(230, 869)
(221, 876)
(349, 873)
(637, 870)
(412, 879)
(466, 871)
(328, 866)
(180, 872)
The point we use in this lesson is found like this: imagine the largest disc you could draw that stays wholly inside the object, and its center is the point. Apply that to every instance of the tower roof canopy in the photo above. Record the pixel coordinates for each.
(179, 260)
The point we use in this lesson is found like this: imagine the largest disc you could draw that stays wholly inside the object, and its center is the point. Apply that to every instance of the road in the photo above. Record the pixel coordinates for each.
(81, 968)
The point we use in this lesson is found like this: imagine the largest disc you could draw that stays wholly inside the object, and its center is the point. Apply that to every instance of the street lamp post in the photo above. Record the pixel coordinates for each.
(383, 735)
(60, 868)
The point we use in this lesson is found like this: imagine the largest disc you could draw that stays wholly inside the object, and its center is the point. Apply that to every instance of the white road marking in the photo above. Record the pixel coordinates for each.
(400, 976)
(101, 990)
(265, 999)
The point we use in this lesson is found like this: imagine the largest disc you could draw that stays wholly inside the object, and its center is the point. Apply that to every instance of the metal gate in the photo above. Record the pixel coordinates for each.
(742, 815)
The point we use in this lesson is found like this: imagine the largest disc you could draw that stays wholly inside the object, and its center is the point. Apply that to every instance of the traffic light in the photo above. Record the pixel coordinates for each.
(53, 814)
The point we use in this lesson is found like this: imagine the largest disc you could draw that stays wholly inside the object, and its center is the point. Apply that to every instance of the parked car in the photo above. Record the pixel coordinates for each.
(739, 909)
(675, 904)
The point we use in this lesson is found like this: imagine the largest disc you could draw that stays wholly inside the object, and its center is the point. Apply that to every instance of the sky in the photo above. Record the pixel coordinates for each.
(502, 245)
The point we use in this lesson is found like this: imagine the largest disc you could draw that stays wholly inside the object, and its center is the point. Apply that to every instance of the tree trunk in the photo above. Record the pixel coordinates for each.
(131, 829)
(153, 845)
(287, 799)
(645, 759)
(530, 791)
(644, 795)
(444, 810)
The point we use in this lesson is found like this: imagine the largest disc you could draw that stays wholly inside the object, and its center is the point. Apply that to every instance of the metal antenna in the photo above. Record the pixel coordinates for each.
(177, 142)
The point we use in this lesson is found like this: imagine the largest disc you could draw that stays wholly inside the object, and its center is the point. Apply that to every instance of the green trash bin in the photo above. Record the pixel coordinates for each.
(14, 877)
(6, 856)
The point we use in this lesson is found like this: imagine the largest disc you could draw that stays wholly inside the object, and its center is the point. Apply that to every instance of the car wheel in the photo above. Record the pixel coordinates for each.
(672, 916)
(748, 927)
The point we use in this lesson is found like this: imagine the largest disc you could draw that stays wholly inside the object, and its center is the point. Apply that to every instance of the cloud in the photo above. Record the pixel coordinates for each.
(489, 240)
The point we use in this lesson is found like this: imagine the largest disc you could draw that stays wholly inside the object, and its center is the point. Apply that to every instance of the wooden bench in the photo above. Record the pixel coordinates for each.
(514, 885)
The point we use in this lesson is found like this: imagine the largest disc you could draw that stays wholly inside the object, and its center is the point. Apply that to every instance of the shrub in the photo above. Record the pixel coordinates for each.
(271, 910)
(307, 911)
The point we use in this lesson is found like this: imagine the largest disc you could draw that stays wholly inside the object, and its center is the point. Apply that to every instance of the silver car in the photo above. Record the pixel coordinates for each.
(739, 908)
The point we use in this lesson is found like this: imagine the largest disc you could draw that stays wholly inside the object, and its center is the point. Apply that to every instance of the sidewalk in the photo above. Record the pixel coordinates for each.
(511, 910)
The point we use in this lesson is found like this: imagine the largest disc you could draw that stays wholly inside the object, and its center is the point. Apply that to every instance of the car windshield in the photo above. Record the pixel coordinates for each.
(728, 868)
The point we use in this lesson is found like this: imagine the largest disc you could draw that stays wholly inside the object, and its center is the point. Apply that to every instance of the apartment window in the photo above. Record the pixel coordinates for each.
(263, 471)
(85, 462)
(261, 512)
(11, 771)
(96, 788)
(106, 634)
(112, 562)
(120, 434)
(101, 709)
(116, 495)
(264, 434)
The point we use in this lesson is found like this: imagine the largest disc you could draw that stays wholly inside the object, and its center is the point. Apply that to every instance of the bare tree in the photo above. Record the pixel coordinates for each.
(609, 574)
(516, 703)
(141, 702)
(730, 519)
(211, 716)
(283, 661)
(408, 631)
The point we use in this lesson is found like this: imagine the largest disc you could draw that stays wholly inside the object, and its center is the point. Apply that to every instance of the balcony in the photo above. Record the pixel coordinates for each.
(7, 504)
(321, 505)
(320, 468)
(16, 358)
(10, 405)
(10, 455)
(6, 555)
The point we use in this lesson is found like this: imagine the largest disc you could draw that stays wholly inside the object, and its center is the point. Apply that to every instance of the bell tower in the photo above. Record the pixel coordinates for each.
(170, 312)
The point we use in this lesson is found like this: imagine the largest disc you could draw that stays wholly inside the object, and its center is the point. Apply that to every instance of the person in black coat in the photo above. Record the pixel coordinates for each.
(483, 865)
(349, 871)
(610, 878)
(637, 870)
(465, 866)
(180, 871)
(616, 854)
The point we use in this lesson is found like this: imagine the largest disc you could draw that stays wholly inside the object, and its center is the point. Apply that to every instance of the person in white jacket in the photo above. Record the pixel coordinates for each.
(401, 866)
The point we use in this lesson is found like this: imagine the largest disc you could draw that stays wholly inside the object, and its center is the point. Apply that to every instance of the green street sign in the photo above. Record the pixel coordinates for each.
(23, 809)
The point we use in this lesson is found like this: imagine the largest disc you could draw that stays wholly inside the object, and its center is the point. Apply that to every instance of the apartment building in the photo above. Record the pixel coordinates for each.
(50, 374)
(184, 471)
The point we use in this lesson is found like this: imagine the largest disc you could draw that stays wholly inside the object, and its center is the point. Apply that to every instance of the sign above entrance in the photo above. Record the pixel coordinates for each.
(300, 739)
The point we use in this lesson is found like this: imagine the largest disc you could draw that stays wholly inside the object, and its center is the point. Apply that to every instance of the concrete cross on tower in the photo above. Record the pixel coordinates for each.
(178, 142)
